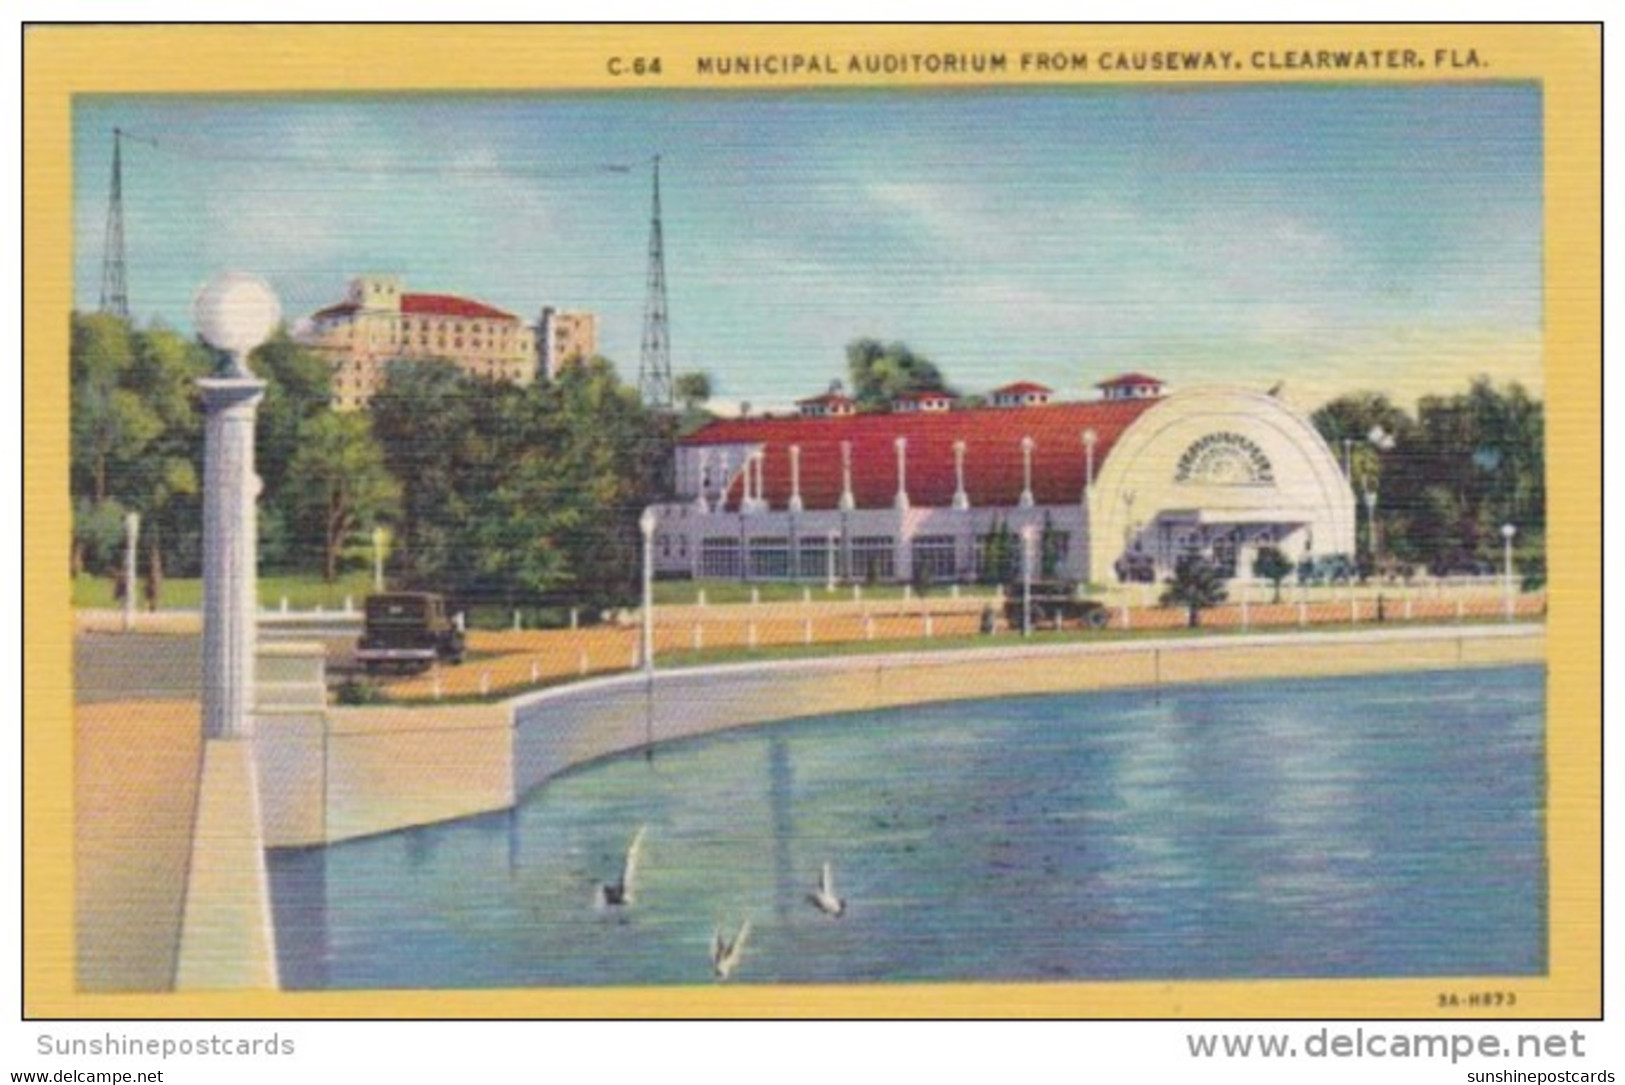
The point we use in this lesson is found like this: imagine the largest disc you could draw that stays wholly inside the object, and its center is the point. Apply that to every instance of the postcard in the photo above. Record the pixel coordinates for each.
(1049, 521)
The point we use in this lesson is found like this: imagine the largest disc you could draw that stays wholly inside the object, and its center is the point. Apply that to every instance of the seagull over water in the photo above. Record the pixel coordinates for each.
(824, 897)
(725, 954)
(620, 893)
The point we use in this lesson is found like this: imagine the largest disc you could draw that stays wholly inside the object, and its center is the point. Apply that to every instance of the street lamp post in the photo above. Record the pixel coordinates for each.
(834, 539)
(1371, 525)
(132, 533)
(1027, 533)
(647, 522)
(235, 313)
(1507, 532)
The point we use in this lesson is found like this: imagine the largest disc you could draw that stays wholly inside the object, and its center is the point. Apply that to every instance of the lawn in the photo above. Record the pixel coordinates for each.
(303, 592)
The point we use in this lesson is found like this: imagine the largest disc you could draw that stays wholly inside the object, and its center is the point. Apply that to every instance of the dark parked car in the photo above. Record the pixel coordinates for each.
(1055, 602)
(409, 630)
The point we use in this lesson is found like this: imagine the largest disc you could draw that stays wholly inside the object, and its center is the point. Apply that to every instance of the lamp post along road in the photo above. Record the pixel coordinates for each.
(234, 313)
(132, 536)
(1026, 579)
(1507, 532)
(647, 522)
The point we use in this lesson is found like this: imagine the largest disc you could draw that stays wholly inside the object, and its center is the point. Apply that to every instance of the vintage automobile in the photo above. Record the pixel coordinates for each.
(409, 631)
(1055, 604)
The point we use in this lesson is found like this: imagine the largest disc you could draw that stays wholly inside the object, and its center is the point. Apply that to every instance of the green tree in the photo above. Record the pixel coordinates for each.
(137, 440)
(1196, 585)
(340, 483)
(1001, 557)
(1272, 565)
(692, 389)
(879, 372)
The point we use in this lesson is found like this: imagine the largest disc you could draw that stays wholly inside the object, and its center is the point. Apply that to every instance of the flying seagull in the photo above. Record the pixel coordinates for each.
(617, 894)
(824, 897)
(725, 954)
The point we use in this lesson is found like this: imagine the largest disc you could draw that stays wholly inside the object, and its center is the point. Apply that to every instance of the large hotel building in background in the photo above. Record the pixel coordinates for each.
(380, 322)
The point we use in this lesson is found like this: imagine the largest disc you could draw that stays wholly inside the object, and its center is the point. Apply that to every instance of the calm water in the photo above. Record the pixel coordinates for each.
(1373, 826)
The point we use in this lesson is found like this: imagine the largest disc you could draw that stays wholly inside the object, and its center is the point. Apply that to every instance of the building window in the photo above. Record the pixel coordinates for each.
(719, 558)
(812, 557)
(874, 557)
(936, 558)
(770, 558)
(1225, 459)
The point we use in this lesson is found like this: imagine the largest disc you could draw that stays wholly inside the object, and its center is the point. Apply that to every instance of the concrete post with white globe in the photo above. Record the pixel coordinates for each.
(227, 940)
(234, 313)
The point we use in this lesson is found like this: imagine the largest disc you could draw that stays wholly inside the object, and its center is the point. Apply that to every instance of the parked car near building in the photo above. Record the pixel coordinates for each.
(409, 630)
(1055, 604)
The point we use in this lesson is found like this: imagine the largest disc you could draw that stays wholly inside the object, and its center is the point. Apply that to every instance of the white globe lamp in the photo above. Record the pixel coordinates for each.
(236, 312)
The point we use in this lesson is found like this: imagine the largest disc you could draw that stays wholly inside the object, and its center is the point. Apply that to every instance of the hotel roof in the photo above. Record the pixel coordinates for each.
(428, 305)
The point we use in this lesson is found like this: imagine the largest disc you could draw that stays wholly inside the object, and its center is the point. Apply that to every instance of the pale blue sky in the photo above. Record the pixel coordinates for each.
(1332, 237)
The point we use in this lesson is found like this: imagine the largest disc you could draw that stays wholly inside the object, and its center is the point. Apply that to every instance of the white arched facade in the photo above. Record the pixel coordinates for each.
(1219, 472)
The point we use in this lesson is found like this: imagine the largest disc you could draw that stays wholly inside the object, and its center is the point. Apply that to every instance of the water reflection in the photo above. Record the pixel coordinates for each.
(1383, 826)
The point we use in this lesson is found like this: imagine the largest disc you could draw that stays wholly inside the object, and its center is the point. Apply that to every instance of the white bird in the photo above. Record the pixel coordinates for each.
(725, 954)
(617, 894)
(824, 898)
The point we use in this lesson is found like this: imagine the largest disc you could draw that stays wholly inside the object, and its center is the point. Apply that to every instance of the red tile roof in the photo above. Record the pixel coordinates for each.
(993, 460)
(450, 305)
(1128, 379)
(922, 397)
(427, 305)
(1021, 388)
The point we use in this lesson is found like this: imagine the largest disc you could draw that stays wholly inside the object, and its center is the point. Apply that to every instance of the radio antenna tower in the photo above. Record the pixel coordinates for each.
(115, 297)
(115, 294)
(654, 362)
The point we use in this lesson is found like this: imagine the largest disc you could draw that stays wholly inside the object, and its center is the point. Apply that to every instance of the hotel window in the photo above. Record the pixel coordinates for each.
(874, 557)
(719, 557)
(770, 558)
(935, 556)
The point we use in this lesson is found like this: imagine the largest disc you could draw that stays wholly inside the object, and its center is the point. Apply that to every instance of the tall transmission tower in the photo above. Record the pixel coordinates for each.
(115, 292)
(115, 289)
(654, 362)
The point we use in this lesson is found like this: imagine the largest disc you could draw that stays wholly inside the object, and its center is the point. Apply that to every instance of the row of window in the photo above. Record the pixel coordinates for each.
(771, 557)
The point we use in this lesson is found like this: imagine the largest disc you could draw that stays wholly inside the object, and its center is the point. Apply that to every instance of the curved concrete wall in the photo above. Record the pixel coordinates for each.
(390, 768)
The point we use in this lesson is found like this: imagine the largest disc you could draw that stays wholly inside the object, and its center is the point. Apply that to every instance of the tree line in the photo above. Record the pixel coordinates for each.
(1445, 480)
(485, 489)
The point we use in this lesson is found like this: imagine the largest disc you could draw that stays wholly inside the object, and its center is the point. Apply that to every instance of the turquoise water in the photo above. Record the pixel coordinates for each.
(1378, 826)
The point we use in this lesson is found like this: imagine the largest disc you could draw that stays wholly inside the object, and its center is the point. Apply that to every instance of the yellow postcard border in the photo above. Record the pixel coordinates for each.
(63, 61)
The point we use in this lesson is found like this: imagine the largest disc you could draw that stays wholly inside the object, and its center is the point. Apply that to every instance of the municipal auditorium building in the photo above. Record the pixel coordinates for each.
(1120, 487)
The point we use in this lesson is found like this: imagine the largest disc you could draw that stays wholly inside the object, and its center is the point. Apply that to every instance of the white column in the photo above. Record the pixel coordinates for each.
(901, 445)
(961, 498)
(229, 554)
(795, 478)
(1026, 472)
(829, 560)
(847, 502)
